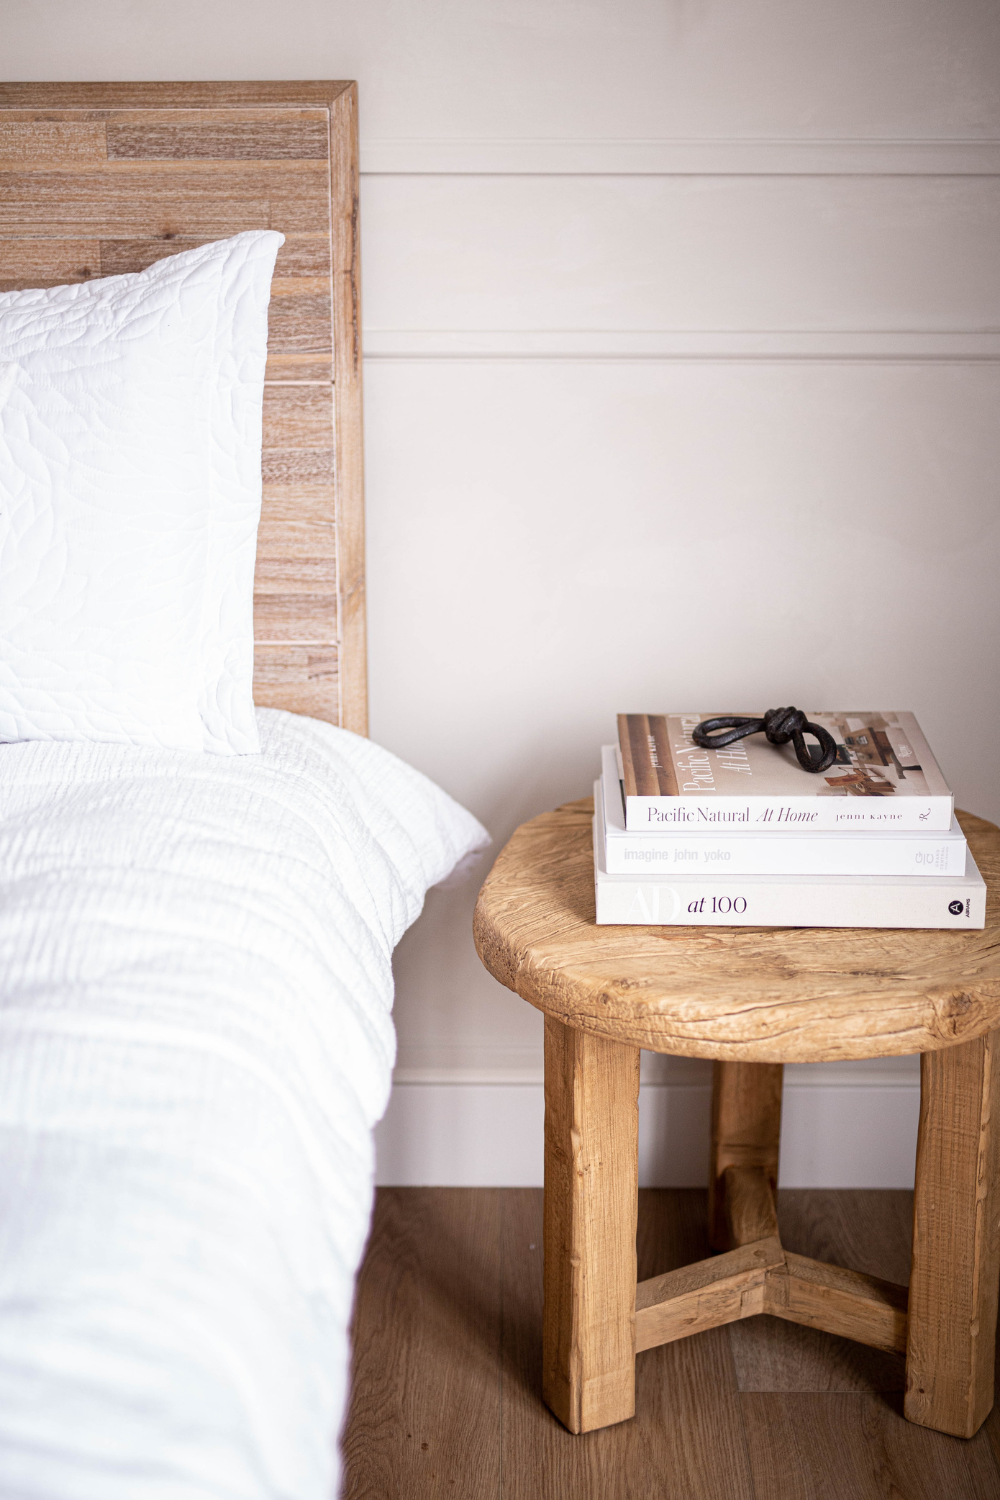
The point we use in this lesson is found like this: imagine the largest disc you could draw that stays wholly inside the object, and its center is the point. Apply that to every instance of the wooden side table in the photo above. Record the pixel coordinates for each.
(752, 999)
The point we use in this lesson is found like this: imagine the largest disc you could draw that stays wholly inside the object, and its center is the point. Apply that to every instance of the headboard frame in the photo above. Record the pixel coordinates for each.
(102, 178)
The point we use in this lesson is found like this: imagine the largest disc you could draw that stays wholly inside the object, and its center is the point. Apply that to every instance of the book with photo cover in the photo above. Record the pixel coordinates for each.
(884, 777)
(691, 899)
(723, 851)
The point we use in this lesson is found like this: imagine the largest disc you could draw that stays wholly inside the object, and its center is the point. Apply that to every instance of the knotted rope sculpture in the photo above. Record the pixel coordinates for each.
(779, 725)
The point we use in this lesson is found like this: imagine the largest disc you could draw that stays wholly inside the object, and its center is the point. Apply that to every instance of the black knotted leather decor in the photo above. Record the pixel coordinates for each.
(779, 725)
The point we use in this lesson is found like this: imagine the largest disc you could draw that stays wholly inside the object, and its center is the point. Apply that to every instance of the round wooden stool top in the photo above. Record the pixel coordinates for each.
(758, 994)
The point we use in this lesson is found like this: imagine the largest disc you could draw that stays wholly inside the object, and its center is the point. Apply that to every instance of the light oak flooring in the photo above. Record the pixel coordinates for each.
(447, 1370)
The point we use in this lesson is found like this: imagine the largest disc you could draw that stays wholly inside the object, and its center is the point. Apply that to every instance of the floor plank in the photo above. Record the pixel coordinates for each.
(772, 1355)
(852, 1447)
(865, 1229)
(425, 1413)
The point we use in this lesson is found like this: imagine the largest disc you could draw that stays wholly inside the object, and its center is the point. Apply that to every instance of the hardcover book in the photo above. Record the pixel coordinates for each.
(691, 899)
(884, 777)
(721, 851)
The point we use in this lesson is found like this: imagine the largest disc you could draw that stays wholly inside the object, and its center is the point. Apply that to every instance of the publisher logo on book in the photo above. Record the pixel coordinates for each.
(958, 907)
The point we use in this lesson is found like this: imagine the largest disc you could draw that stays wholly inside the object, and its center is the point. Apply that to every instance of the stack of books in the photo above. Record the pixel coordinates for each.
(743, 836)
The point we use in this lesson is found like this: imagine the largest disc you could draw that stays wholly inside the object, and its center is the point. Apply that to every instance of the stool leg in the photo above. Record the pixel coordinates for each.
(955, 1269)
(591, 1196)
(746, 1132)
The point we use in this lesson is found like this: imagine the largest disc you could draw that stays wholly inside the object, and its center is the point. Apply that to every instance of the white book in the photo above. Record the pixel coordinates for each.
(884, 777)
(715, 851)
(689, 900)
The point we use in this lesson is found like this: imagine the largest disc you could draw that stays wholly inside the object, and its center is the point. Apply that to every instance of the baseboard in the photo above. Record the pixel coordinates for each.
(841, 1127)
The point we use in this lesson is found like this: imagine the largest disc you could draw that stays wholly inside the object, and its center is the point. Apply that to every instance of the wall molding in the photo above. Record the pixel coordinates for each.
(522, 1067)
(464, 1135)
(727, 157)
(463, 1116)
(952, 346)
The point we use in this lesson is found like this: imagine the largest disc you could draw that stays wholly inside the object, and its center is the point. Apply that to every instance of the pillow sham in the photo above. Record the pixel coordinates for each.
(130, 484)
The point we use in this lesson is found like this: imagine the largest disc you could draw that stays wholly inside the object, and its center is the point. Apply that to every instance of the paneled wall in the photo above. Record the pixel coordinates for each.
(682, 325)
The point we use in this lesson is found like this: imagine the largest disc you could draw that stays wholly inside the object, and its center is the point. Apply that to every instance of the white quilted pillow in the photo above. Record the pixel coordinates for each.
(130, 439)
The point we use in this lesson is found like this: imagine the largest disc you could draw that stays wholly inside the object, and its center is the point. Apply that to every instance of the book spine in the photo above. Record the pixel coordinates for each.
(727, 903)
(768, 815)
(743, 854)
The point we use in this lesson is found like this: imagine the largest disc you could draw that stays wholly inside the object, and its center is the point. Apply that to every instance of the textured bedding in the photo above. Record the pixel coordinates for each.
(130, 491)
(195, 1042)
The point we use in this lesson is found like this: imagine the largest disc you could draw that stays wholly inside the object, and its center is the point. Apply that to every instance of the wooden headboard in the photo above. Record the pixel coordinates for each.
(101, 178)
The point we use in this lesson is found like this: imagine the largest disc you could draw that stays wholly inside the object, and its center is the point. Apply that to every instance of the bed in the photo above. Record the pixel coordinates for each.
(195, 949)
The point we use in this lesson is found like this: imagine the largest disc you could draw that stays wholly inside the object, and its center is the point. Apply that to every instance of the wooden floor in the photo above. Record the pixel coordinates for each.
(448, 1370)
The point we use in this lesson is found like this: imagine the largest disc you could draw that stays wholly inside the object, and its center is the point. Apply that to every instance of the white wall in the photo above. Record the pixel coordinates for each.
(682, 329)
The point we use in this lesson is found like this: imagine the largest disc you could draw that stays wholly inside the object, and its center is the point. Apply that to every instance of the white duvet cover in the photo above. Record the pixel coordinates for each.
(195, 1042)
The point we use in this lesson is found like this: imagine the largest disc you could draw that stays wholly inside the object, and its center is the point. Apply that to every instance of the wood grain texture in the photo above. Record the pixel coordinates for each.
(299, 322)
(746, 1132)
(44, 142)
(750, 1209)
(302, 265)
(299, 416)
(751, 994)
(105, 179)
(296, 559)
(868, 1228)
(294, 618)
(306, 468)
(42, 263)
(704, 1295)
(425, 1420)
(956, 1240)
(772, 1354)
(277, 135)
(349, 446)
(31, 98)
(299, 506)
(761, 1277)
(856, 1447)
(591, 1183)
(847, 1303)
(301, 679)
